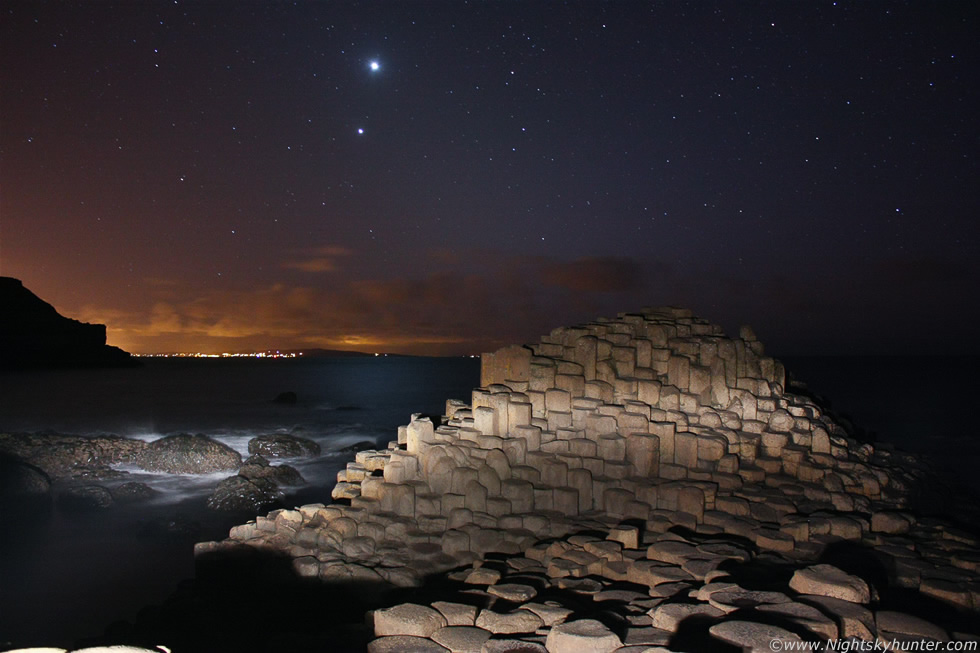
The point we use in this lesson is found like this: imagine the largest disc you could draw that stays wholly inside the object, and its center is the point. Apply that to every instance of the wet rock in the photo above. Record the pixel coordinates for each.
(96, 473)
(238, 493)
(364, 445)
(188, 454)
(63, 456)
(278, 445)
(20, 480)
(258, 467)
(133, 491)
(85, 497)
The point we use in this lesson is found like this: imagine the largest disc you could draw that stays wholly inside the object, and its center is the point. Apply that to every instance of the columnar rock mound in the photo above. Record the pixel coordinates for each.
(631, 426)
(34, 334)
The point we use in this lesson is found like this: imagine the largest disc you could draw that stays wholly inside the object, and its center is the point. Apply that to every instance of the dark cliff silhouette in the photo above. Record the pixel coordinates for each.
(33, 334)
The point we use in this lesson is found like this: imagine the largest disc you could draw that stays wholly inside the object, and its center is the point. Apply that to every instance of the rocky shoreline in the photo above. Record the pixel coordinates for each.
(82, 472)
(641, 483)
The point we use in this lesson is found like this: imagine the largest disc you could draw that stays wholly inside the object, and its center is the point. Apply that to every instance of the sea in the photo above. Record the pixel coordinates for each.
(66, 576)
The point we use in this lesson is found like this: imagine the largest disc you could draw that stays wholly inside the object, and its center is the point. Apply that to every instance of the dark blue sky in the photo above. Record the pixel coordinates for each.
(226, 176)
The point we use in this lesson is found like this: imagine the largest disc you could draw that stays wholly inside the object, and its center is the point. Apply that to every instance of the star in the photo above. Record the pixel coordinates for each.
(374, 66)
(360, 130)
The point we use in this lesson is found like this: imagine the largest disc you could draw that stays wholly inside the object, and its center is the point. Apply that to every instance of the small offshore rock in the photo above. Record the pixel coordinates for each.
(285, 398)
(280, 445)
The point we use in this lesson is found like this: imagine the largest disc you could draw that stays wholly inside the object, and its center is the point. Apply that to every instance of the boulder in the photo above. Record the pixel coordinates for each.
(69, 456)
(188, 454)
(133, 491)
(279, 445)
(258, 467)
(85, 497)
(20, 480)
(238, 493)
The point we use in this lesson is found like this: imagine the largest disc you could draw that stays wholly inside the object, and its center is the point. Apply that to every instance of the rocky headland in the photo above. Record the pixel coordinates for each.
(642, 483)
(34, 335)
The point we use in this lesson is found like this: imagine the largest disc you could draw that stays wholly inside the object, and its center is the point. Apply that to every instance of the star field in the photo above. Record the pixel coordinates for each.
(446, 177)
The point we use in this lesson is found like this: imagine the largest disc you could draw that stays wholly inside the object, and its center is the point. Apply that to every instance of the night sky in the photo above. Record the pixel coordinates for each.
(446, 178)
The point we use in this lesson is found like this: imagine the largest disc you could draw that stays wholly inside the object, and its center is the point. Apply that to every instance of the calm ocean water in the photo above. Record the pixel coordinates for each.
(67, 576)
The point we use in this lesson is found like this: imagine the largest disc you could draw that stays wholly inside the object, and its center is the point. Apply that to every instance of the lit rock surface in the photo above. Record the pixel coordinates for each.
(827, 580)
(408, 619)
(582, 636)
(752, 636)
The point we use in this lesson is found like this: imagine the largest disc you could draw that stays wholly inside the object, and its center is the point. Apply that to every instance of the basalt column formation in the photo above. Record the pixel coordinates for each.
(654, 429)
